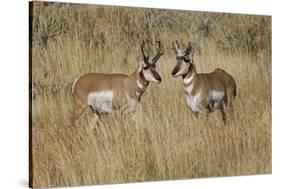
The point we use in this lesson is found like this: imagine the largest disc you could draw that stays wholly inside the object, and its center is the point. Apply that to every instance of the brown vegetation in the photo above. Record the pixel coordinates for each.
(162, 139)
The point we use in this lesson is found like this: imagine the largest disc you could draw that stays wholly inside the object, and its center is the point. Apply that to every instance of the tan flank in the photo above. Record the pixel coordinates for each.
(105, 93)
(204, 92)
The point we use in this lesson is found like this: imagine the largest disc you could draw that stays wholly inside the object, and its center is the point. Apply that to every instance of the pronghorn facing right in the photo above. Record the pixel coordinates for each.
(204, 92)
(105, 93)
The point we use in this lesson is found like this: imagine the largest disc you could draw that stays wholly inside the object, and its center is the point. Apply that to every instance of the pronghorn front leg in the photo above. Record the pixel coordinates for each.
(196, 114)
(205, 113)
(130, 106)
(206, 107)
(77, 111)
(93, 118)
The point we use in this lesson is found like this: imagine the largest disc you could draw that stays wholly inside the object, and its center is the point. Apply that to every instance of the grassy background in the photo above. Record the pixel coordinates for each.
(162, 140)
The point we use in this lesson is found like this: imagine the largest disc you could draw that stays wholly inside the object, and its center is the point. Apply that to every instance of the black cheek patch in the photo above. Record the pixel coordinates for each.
(145, 68)
(156, 75)
(175, 70)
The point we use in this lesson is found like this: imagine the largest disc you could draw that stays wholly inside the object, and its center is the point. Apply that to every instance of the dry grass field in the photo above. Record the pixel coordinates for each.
(162, 140)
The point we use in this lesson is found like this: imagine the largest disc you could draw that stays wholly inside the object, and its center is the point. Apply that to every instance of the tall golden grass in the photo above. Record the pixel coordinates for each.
(162, 139)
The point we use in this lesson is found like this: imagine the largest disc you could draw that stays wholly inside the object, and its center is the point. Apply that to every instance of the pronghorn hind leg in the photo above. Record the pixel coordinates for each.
(229, 103)
(223, 115)
(231, 111)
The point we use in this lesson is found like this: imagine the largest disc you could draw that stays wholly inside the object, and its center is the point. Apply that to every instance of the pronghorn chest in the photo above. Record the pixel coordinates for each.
(193, 101)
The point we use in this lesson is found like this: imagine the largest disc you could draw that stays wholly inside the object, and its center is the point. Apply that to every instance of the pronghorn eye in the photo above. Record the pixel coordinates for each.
(146, 67)
(186, 60)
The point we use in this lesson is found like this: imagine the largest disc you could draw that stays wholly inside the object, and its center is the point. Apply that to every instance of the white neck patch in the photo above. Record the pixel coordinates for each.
(141, 86)
(187, 81)
(189, 88)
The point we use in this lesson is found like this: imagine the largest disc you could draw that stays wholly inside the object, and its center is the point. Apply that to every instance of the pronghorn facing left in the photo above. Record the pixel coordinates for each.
(204, 92)
(104, 93)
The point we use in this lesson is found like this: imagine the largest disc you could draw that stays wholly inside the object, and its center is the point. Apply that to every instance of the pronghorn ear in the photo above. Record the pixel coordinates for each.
(175, 47)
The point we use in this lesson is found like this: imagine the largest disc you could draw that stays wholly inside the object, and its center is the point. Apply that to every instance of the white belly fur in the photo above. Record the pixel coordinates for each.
(194, 101)
(218, 96)
(101, 101)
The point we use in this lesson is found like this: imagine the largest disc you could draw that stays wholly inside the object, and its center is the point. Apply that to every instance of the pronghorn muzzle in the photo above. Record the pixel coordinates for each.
(157, 76)
(176, 70)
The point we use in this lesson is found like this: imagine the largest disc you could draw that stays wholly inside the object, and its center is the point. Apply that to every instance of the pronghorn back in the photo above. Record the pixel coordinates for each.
(98, 82)
(100, 86)
(218, 79)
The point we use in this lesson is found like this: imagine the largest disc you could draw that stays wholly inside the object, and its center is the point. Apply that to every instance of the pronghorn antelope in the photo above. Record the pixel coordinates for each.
(204, 92)
(104, 93)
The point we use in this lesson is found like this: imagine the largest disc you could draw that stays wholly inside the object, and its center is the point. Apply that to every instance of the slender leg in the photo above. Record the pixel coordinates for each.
(223, 115)
(92, 121)
(230, 109)
(77, 111)
(231, 93)
(209, 109)
(196, 114)
(207, 114)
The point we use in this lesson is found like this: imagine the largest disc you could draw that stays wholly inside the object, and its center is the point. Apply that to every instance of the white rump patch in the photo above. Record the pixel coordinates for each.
(101, 101)
(186, 81)
(74, 83)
